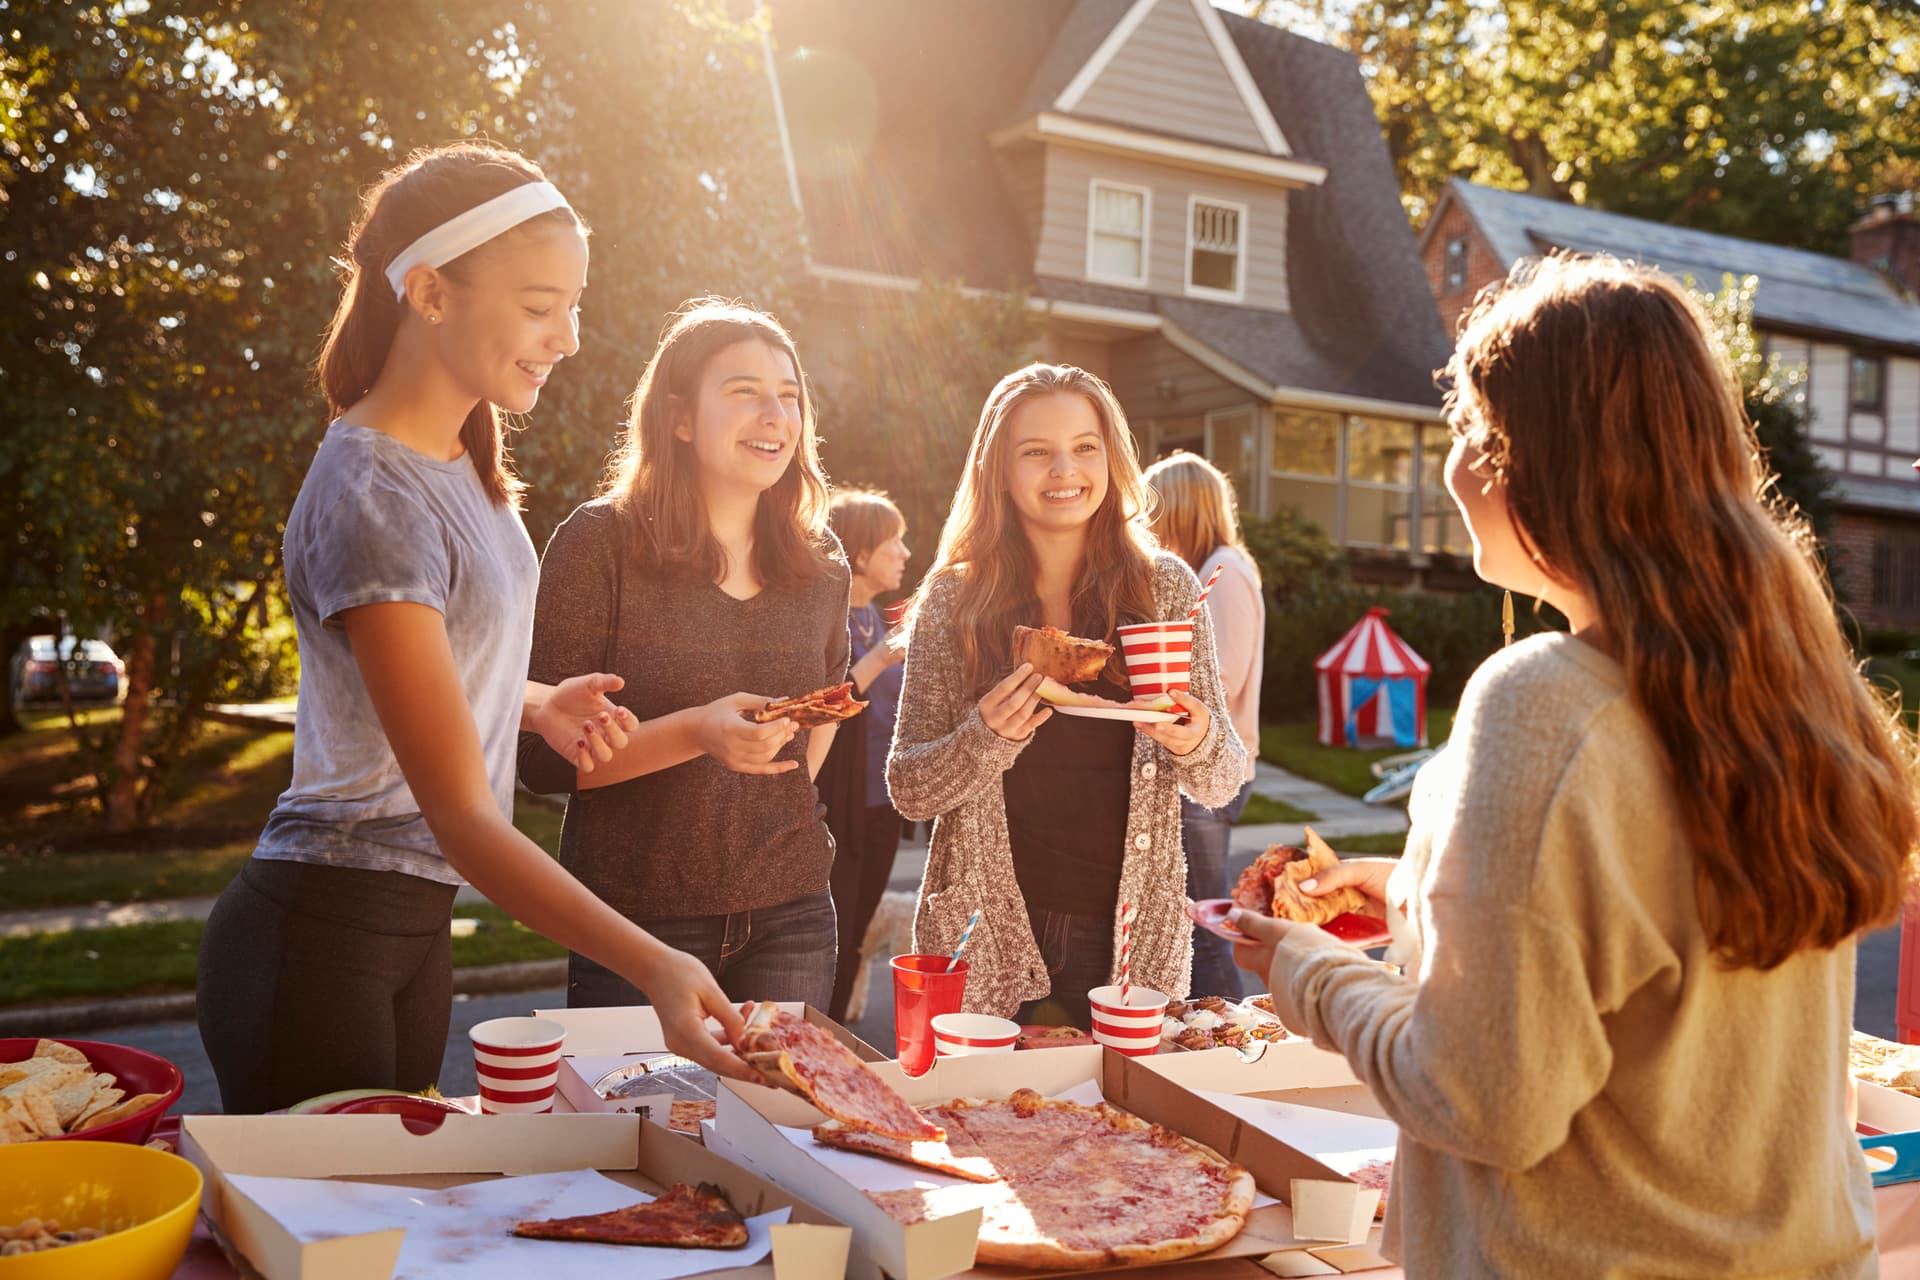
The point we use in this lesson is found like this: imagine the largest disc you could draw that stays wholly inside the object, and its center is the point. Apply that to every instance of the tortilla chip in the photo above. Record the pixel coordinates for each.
(120, 1111)
(44, 1073)
(60, 1053)
(11, 1075)
(38, 1104)
(102, 1099)
(76, 1096)
(12, 1128)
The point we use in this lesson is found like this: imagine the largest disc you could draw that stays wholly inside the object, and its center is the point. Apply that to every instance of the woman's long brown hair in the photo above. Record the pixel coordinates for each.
(653, 479)
(1612, 418)
(985, 551)
(432, 185)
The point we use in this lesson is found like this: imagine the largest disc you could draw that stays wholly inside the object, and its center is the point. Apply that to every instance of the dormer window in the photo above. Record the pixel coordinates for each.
(1117, 234)
(1216, 249)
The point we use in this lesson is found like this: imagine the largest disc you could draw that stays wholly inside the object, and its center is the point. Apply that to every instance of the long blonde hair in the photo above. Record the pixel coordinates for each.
(1613, 420)
(1196, 512)
(984, 549)
(653, 478)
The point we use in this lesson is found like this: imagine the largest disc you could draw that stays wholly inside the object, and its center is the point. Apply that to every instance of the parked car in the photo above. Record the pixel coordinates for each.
(94, 673)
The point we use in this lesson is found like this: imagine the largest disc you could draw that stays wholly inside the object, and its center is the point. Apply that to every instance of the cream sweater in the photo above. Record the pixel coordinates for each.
(1239, 613)
(1581, 1089)
(947, 765)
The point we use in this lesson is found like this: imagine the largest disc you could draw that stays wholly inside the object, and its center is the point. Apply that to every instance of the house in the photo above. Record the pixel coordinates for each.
(1200, 207)
(1852, 326)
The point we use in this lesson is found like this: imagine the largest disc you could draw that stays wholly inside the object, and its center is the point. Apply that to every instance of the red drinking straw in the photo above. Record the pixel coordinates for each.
(1126, 961)
(1211, 579)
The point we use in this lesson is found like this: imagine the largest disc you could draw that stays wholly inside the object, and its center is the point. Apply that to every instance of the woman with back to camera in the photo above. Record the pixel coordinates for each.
(1049, 823)
(1195, 518)
(1630, 895)
(706, 577)
(325, 964)
(853, 781)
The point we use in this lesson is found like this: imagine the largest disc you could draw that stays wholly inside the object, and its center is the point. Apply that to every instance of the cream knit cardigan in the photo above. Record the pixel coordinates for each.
(946, 764)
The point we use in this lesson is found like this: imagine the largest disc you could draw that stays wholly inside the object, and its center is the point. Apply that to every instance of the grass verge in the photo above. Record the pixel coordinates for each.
(149, 959)
(1264, 809)
(1295, 748)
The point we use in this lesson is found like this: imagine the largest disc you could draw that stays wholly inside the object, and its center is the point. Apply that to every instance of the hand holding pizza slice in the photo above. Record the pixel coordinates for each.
(793, 1054)
(811, 710)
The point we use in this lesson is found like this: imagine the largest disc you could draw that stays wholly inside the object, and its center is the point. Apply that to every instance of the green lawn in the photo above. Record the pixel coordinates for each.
(1262, 809)
(1294, 748)
(146, 959)
(1391, 842)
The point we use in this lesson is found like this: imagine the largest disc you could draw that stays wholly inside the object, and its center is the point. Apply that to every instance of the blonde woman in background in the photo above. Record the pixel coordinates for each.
(1196, 520)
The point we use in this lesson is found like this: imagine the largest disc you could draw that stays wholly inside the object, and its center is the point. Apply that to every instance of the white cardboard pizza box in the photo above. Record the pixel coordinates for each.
(750, 1118)
(463, 1149)
(603, 1040)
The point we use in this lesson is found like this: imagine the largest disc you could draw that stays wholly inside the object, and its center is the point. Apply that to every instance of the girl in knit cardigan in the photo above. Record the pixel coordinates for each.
(1628, 901)
(1048, 824)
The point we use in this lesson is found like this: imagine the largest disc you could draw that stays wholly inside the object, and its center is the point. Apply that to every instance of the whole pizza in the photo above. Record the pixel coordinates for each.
(1074, 1186)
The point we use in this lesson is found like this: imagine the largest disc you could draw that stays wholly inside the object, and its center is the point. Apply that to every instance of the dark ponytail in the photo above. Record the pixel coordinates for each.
(433, 185)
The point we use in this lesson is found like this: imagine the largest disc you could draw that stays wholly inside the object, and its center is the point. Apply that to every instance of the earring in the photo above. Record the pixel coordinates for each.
(433, 319)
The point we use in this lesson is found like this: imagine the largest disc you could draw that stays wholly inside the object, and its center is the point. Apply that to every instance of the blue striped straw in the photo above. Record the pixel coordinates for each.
(965, 933)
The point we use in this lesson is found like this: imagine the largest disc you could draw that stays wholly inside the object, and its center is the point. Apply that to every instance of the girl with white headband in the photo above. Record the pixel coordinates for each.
(326, 963)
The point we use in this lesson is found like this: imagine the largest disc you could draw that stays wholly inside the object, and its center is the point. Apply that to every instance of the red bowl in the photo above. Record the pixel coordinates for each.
(419, 1115)
(134, 1070)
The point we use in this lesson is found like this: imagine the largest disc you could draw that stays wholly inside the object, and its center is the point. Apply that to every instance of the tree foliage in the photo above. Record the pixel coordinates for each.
(1773, 119)
(179, 174)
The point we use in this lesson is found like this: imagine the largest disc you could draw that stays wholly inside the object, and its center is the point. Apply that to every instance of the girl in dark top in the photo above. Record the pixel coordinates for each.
(1047, 822)
(705, 568)
(853, 782)
(325, 963)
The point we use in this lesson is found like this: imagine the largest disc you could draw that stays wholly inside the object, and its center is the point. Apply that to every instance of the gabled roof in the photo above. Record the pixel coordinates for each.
(1798, 289)
(926, 195)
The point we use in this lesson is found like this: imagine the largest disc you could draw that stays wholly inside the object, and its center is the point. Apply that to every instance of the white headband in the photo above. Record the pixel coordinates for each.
(467, 231)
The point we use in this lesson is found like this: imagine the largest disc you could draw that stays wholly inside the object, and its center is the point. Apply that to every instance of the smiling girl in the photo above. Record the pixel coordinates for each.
(326, 963)
(705, 569)
(1047, 823)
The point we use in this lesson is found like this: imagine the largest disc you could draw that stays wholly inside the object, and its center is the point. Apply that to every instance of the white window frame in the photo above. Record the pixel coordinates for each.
(1146, 232)
(1239, 291)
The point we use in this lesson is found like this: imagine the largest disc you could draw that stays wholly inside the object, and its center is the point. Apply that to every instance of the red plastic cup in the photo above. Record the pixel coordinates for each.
(922, 990)
(1158, 656)
(894, 614)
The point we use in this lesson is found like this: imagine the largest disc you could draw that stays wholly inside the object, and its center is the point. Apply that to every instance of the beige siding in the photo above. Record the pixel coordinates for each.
(1156, 380)
(1903, 405)
(1827, 391)
(1169, 78)
(1024, 169)
(1088, 353)
(1062, 247)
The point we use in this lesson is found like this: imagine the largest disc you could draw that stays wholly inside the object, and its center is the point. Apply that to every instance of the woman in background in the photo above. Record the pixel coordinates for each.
(1196, 520)
(1629, 900)
(853, 782)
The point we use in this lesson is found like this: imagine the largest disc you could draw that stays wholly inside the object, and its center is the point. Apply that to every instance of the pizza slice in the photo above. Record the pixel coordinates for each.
(1062, 657)
(687, 1217)
(793, 1054)
(811, 710)
(956, 1157)
(1272, 884)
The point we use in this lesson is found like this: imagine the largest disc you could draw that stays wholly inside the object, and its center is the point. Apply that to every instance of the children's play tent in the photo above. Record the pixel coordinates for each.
(1372, 686)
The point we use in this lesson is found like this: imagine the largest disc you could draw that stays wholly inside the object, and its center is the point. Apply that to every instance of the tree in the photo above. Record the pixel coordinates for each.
(1770, 119)
(180, 174)
(898, 409)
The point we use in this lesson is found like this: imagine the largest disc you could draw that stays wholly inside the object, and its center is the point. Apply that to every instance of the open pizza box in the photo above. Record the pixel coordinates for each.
(628, 1038)
(467, 1149)
(753, 1126)
(1889, 1125)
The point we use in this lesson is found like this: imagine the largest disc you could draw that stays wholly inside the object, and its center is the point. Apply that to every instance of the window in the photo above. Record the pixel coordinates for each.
(1306, 465)
(1456, 264)
(1117, 234)
(1867, 382)
(1233, 446)
(1896, 571)
(1441, 525)
(1216, 248)
(1379, 482)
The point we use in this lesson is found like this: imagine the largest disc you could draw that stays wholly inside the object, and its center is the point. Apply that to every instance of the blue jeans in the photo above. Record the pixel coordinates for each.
(1206, 834)
(783, 952)
(1078, 951)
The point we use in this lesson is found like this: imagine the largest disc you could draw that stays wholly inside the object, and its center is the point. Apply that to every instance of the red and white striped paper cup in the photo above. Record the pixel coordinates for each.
(1159, 657)
(1132, 1028)
(957, 1035)
(517, 1061)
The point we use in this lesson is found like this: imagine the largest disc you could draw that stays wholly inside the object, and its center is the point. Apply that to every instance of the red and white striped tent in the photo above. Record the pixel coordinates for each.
(1372, 686)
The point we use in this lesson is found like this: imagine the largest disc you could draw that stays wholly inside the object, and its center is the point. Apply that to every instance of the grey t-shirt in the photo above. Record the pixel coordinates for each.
(377, 522)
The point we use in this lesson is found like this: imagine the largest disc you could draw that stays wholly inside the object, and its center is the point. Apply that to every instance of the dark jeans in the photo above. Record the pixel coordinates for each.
(862, 864)
(1206, 834)
(783, 952)
(1078, 951)
(316, 978)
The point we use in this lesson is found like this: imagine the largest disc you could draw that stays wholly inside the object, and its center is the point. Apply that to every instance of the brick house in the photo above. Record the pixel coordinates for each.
(1852, 325)
(1200, 207)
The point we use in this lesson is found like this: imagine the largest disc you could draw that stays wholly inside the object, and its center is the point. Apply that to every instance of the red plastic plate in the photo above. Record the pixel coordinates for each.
(1354, 929)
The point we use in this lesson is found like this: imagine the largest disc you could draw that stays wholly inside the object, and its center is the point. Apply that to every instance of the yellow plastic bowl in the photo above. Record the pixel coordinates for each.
(146, 1198)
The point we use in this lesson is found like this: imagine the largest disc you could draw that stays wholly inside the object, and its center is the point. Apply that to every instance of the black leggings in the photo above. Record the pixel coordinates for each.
(316, 978)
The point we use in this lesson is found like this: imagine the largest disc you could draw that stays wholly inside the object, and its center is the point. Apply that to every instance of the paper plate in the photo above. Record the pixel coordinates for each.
(1120, 713)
